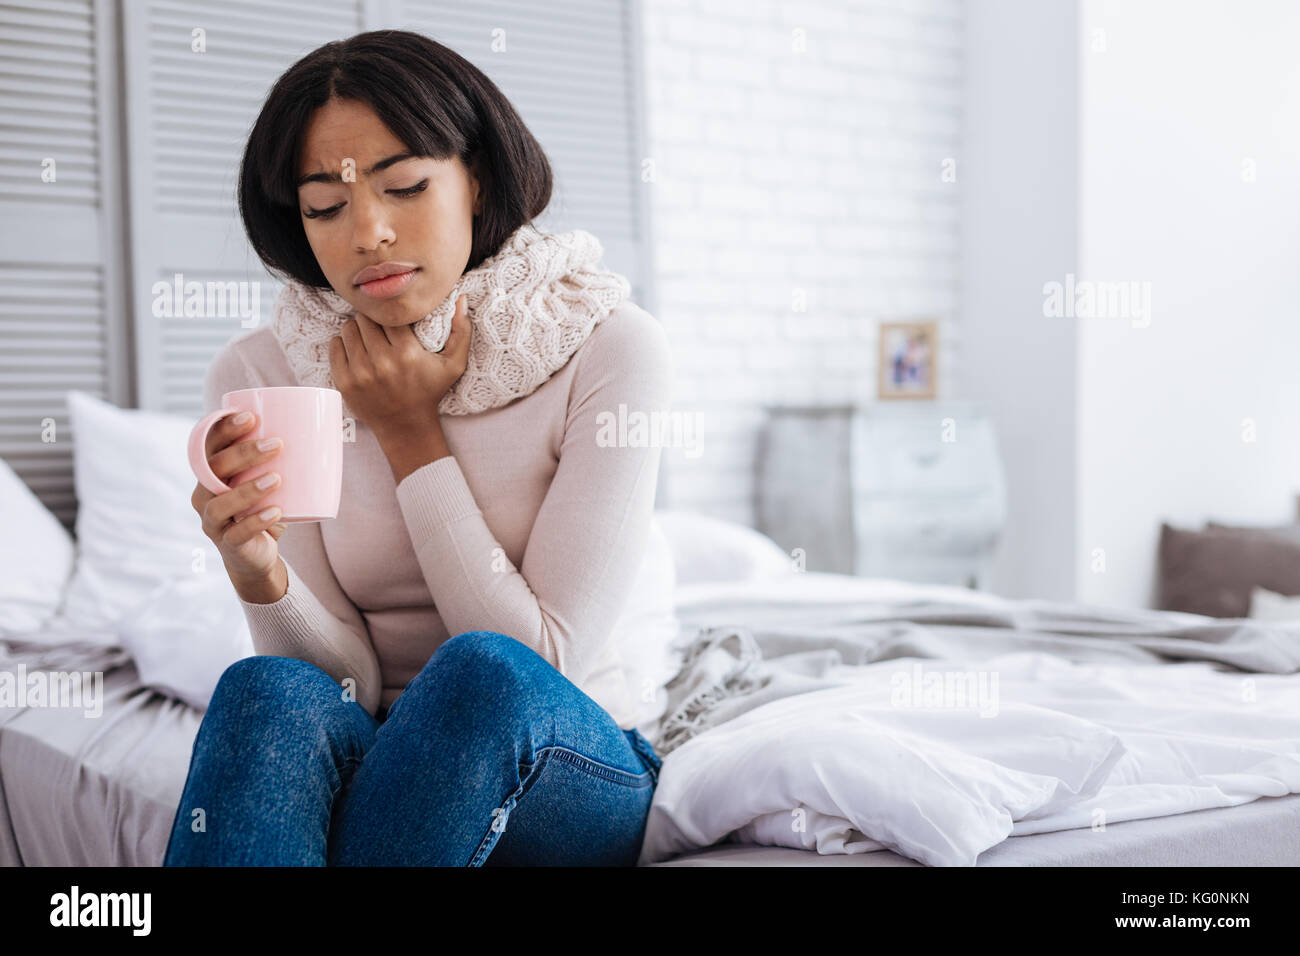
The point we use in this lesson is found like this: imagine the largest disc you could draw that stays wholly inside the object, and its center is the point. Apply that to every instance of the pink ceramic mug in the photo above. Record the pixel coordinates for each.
(310, 462)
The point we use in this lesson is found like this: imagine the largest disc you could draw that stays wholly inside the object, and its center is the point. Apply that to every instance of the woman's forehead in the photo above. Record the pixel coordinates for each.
(341, 130)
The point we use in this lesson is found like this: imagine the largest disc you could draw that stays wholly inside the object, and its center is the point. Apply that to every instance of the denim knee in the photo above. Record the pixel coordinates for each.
(277, 684)
(475, 664)
(260, 670)
(484, 655)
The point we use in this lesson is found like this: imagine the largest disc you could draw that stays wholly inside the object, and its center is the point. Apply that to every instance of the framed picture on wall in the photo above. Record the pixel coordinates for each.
(908, 362)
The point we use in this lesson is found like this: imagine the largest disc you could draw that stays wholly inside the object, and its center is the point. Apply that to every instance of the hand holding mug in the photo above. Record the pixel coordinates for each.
(247, 544)
(246, 498)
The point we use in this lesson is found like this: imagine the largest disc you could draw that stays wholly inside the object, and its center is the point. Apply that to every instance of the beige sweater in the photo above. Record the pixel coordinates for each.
(530, 528)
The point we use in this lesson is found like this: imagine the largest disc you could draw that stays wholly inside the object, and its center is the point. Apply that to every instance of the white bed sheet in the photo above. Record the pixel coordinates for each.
(846, 770)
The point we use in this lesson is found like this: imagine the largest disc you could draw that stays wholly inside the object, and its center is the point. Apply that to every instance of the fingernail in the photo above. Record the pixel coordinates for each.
(267, 480)
(243, 418)
(269, 513)
(266, 444)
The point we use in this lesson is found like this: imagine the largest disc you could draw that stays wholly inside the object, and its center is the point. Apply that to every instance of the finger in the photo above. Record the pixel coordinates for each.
(241, 456)
(226, 431)
(241, 498)
(338, 360)
(358, 357)
(353, 344)
(462, 342)
(372, 334)
(249, 527)
(200, 497)
(458, 338)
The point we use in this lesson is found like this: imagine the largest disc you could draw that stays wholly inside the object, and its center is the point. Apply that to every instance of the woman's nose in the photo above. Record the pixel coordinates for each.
(370, 225)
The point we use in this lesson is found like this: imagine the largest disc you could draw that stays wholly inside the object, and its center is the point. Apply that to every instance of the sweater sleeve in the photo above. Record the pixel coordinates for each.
(590, 534)
(313, 620)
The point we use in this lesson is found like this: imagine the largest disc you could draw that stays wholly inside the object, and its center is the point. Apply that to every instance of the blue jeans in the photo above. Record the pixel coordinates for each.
(489, 756)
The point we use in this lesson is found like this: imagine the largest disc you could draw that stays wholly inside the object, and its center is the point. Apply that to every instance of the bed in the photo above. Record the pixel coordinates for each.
(101, 791)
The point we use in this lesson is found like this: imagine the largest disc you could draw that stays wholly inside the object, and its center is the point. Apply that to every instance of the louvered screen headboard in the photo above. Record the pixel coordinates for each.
(62, 322)
(146, 134)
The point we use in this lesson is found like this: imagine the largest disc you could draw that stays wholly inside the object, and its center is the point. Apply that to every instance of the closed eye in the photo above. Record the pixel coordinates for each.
(332, 211)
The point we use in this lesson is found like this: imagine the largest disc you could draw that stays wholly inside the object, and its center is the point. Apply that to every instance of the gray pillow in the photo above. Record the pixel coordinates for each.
(1291, 532)
(1213, 571)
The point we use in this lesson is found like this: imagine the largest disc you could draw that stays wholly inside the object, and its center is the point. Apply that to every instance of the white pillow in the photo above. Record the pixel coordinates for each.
(35, 567)
(136, 527)
(1268, 605)
(185, 633)
(711, 550)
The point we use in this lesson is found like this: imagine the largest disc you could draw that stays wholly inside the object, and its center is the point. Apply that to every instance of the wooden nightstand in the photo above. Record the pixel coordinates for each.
(909, 490)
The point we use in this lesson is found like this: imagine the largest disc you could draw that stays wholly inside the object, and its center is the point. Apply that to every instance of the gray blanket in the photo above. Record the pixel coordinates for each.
(741, 655)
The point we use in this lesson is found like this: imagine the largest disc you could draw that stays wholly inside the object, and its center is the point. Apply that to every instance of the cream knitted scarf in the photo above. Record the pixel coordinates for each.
(531, 305)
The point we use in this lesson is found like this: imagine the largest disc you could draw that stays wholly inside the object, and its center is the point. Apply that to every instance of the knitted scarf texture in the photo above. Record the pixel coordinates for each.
(531, 305)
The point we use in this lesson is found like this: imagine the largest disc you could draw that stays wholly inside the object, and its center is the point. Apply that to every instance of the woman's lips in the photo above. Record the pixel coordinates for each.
(388, 286)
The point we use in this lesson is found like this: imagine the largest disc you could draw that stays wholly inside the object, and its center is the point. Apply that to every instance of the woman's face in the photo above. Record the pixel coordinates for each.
(417, 212)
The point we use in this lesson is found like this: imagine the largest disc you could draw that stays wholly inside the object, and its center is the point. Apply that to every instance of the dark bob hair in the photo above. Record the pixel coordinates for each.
(434, 100)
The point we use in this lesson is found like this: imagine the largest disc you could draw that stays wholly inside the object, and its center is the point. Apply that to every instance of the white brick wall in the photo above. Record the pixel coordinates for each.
(782, 173)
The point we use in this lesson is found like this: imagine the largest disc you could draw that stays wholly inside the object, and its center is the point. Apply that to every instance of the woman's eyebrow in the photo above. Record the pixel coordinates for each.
(338, 177)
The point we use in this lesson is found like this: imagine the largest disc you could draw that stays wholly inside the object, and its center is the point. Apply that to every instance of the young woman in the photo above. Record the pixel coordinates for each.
(436, 680)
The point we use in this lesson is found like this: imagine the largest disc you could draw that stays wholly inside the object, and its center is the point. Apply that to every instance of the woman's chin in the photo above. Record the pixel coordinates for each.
(392, 313)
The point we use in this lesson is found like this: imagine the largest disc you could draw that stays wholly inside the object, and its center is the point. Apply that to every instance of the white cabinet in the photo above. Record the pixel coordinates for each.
(902, 490)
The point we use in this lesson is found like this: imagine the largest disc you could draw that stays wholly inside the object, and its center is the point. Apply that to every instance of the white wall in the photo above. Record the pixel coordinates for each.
(779, 172)
(1019, 211)
(1183, 94)
(1107, 140)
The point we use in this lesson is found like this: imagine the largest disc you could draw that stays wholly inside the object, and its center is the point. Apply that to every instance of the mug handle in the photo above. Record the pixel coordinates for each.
(198, 445)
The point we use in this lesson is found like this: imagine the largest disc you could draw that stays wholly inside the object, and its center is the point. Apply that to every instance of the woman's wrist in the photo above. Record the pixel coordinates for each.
(266, 589)
(411, 448)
